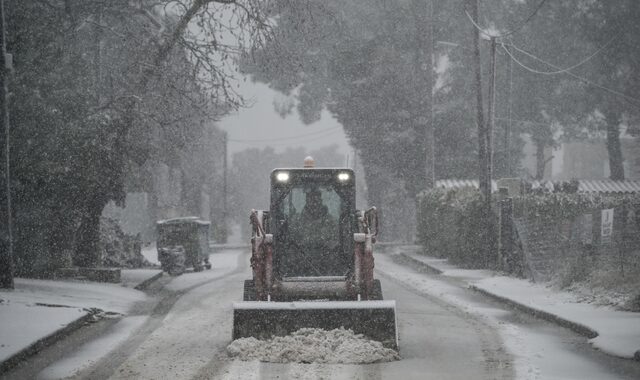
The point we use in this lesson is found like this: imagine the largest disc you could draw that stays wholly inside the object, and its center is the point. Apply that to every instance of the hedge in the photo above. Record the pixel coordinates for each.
(451, 224)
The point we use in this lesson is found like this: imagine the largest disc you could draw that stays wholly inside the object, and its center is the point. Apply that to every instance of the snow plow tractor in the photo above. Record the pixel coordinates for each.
(312, 261)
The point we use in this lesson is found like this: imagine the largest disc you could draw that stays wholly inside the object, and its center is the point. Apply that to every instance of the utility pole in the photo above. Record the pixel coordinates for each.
(225, 190)
(483, 179)
(491, 117)
(484, 134)
(6, 256)
(507, 128)
(431, 159)
(424, 72)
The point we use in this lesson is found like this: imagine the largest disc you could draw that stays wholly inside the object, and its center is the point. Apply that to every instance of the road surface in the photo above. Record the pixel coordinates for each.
(183, 331)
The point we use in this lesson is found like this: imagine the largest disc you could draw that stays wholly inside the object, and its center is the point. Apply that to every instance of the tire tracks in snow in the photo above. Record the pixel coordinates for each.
(157, 312)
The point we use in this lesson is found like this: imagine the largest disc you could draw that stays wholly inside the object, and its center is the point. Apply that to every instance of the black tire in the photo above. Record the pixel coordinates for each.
(249, 291)
(198, 267)
(207, 265)
(376, 292)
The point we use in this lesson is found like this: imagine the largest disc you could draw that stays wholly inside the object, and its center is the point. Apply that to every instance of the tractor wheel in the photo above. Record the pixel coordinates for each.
(376, 292)
(249, 291)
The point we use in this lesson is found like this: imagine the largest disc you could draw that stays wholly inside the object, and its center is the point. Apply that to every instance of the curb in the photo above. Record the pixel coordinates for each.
(574, 326)
(424, 266)
(144, 284)
(42, 343)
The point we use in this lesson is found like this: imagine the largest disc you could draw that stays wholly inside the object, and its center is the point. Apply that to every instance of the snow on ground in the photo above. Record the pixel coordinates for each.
(221, 264)
(537, 353)
(30, 323)
(311, 345)
(89, 353)
(618, 331)
(39, 308)
(131, 278)
(108, 297)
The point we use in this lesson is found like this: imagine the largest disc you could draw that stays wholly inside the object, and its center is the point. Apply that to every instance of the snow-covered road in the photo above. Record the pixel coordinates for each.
(446, 332)
(436, 341)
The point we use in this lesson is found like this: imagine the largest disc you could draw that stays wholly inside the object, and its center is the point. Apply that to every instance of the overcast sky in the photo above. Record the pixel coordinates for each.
(261, 125)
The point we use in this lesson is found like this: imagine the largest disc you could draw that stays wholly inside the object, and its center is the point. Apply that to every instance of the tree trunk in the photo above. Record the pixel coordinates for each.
(614, 148)
(88, 242)
(61, 242)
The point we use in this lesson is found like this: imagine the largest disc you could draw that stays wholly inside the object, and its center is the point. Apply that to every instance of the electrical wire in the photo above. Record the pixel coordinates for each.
(508, 32)
(286, 138)
(630, 99)
(561, 71)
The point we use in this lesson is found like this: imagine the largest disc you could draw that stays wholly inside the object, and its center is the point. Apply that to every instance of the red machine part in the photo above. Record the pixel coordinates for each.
(261, 256)
(363, 254)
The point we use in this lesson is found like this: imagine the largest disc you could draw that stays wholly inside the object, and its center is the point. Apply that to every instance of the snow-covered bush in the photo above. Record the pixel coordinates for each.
(451, 224)
(118, 249)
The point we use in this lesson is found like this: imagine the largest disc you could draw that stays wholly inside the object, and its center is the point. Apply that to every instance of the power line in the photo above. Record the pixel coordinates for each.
(522, 24)
(561, 71)
(286, 138)
(508, 32)
(630, 99)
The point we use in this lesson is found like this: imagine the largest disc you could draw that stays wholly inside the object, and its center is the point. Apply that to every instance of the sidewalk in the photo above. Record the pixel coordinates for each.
(37, 313)
(615, 332)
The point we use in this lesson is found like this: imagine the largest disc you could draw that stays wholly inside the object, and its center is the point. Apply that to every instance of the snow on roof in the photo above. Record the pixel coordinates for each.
(596, 185)
(584, 185)
(609, 186)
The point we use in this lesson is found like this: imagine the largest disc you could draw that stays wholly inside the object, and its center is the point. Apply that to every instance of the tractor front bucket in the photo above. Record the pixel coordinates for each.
(262, 320)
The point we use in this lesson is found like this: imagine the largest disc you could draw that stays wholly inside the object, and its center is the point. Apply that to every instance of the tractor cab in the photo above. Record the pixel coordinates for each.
(312, 219)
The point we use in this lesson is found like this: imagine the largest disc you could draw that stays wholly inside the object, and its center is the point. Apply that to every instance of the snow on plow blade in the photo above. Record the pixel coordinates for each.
(262, 320)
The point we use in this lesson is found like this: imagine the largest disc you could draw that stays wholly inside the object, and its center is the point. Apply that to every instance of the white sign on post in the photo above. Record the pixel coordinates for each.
(607, 225)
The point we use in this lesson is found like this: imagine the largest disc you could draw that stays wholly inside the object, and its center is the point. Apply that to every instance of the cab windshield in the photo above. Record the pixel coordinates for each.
(314, 218)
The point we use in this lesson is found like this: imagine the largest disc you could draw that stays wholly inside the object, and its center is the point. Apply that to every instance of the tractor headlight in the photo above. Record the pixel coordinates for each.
(282, 176)
(343, 177)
